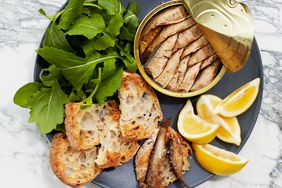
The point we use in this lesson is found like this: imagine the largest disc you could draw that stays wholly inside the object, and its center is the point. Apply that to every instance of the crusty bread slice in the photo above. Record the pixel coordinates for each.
(74, 168)
(140, 108)
(115, 149)
(99, 125)
(84, 127)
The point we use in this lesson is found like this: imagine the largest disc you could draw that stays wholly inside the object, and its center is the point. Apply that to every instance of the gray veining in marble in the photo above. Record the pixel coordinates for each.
(24, 153)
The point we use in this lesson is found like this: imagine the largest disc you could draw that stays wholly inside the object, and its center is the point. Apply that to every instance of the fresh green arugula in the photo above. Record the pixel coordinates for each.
(88, 45)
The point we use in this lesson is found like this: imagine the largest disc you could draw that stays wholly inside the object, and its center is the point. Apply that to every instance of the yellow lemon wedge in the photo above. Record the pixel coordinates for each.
(193, 128)
(218, 161)
(240, 100)
(229, 130)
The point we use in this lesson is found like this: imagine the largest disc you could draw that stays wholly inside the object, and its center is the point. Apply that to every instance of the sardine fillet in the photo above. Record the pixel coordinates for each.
(143, 156)
(208, 61)
(167, 32)
(189, 78)
(168, 16)
(146, 40)
(164, 78)
(201, 54)
(206, 76)
(196, 45)
(187, 37)
(179, 75)
(156, 64)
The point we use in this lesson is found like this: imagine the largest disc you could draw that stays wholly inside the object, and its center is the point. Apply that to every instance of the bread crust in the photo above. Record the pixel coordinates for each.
(59, 147)
(133, 86)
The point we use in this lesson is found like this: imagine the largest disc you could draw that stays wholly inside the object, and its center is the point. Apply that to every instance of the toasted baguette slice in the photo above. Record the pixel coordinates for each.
(140, 108)
(84, 127)
(115, 150)
(74, 168)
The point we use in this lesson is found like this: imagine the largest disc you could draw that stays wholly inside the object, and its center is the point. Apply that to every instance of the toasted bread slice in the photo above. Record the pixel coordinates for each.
(99, 125)
(140, 108)
(84, 127)
(74, 168)
(115, 150)
(143, 156)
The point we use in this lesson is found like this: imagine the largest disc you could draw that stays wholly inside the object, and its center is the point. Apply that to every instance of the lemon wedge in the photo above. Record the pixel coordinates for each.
(240, 100)
(193, 128)
(218, 161)
(229, 130)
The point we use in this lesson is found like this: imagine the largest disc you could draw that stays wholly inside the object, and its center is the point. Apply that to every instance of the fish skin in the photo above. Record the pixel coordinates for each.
(206, 76)
(187, 36)
(146, 40)
(157, 158)
(167, 32)
(179, 75)
(171, 67)
(194, 46)
(156, 64)
(176, 155)
(189, 78)
(201, 55)
(142, 158)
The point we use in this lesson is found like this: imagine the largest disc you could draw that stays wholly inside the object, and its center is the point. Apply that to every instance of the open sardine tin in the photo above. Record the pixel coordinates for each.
(228, 26)
(232, 48)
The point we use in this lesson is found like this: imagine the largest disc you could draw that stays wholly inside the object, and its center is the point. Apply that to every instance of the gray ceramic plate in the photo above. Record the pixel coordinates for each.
(124, 176)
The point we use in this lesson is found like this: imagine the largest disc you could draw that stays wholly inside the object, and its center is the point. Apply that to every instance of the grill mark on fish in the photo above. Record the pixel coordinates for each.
(167, 32)
(189, 78)
(179, 75)
(206, 76)
(208, 61)
(194, 46)
(201, 54)
(187, 37)
(171, 67)
(156, 64)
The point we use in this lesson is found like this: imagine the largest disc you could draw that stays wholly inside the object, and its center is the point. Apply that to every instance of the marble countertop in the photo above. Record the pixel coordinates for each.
(24, 153)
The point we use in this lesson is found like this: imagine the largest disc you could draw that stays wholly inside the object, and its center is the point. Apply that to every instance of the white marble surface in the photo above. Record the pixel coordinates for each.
(24, 160)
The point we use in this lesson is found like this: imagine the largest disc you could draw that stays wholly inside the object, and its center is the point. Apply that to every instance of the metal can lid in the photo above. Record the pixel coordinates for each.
(228, 26)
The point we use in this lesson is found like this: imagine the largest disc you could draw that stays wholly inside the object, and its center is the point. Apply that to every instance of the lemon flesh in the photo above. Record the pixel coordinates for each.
(240, 100)
(218, 161)
(229, 130)
(193, 128)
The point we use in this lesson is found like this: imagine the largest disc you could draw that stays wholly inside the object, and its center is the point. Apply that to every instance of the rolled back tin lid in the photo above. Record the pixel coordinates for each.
(228, 26)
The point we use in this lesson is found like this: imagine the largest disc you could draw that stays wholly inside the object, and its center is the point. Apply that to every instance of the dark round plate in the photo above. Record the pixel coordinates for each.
(124, 176)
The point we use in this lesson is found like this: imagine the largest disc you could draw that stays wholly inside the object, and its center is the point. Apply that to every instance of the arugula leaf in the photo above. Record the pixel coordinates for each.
(23, 95)
(126, 35)
(55, 37)
(104, 42)
(130, 17)
(112, 7)
(53, 17)
(130, 66)
(109, 86)
(76, 70)
(88, 27)
(72, 11)
(47, 108)
(50, 76)
(114, 25)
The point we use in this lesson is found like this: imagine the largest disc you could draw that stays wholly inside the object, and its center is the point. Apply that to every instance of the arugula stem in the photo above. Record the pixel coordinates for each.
(92, 5)
(96, 86)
